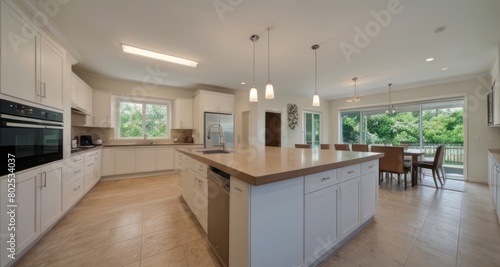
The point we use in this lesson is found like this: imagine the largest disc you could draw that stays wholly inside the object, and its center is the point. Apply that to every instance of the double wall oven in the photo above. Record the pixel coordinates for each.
(33, 135)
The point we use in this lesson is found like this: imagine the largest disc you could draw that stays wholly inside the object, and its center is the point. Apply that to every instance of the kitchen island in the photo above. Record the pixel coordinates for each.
(294, 207)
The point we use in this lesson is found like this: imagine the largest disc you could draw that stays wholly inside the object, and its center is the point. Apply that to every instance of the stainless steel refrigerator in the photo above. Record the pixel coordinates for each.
(226, 121)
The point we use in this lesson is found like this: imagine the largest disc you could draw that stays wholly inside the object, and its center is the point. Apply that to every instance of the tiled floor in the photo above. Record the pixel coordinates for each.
(144, 222)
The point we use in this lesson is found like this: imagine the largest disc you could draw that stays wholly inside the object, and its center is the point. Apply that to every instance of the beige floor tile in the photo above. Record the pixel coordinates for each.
(441, 229)
(439, 243)
(470, 253)
(123, 233)
(161, 223)
(200, 254)
(428, 257)
(173, 257)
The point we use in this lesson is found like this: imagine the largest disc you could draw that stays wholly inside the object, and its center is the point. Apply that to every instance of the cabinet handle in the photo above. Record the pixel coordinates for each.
(74, 189)
(78, 171)
(371, 166)
(325, 178)
(237, 189)
(44, 90)
(44, 179)
(39, 88)
(90, 164)
(200, 181)
(349, 172)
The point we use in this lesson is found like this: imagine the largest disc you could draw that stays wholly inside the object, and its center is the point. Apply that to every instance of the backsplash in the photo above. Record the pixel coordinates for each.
(182, 135)
(107, 135)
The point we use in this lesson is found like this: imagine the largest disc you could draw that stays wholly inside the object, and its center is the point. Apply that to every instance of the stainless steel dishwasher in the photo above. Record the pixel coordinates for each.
(218, 213)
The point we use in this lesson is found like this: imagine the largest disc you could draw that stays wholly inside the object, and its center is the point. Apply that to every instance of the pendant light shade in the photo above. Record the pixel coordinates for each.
(355, 97)
(254, 97)
(391, 110)
(269, 86)
(315, 97)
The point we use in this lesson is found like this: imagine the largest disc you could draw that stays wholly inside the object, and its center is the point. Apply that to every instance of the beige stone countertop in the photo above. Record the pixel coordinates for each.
(258, 165)
(83, 150)
(153, 145)
(495, 152)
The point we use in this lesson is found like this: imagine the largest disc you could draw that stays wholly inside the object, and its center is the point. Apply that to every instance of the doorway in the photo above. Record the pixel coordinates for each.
(245, 127)
(273, 129)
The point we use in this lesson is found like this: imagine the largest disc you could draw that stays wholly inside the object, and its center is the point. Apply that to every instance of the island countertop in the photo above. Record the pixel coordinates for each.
(258, 165)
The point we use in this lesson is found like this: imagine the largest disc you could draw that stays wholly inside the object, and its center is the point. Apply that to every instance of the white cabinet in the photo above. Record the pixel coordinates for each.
(369, 189)
(108, 162)
(32, 66)
(197, 121)
(194, 188)
(164, 159)
(73, 181)
(50, 195)
(98, 167)
(320, 222)
(349, 214)
(200, 199)
(84, 96)
(225, 103)
(190, 187)
(494, 182)
(89, 174)
(103, 109)
(145, 160)
(125, 161)
(183, 114)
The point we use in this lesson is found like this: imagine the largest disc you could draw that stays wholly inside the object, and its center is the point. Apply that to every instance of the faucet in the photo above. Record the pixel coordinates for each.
(220, 131)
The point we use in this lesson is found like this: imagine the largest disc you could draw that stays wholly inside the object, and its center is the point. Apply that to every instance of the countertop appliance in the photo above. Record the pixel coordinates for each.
(33, 135)
(86, 141)
(212, 132)
(218, 213)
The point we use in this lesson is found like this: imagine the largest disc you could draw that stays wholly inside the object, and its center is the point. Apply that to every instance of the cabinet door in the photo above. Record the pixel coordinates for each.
(190, 188)
(124, 161)
(82, 94)
(89, 174)
(225, 103)
(209, 102)
(98, 168)
(197, 121)
(164, 159)
(88, 99)
(321, 225)
(51, 73)
(349, 207)
(74, 91)
(19, 54)
(50, 196)
(101, 105)
(108, 162)
(27, 212)
(369, 196)
(145, 159)
(200, 200)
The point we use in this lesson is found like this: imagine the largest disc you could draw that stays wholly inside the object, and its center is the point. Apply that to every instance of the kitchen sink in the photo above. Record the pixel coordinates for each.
(216, 151)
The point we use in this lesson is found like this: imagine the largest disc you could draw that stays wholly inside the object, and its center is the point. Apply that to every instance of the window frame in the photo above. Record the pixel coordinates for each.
(143, 102)
(313, 112)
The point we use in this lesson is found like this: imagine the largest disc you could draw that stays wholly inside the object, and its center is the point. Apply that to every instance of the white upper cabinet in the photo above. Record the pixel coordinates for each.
(81, 95)
(183, 114)
(103, 109)
(216, 102)
(32, 66)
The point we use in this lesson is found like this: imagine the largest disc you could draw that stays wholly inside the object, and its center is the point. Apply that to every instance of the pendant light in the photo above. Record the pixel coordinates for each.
(391, 110)
(269, 86)
(253, 91)
(355, 97)
(315, 97)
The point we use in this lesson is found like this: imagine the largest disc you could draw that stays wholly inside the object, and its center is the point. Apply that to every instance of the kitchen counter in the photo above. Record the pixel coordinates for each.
(153, 145)
(84, 149)
(495, 153)
(263, 165)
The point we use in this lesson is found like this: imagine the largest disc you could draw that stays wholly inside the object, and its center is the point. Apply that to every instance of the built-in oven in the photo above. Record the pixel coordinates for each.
(34, 136)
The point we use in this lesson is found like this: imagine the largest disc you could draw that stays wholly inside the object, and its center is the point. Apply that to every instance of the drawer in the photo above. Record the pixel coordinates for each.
(73, 173)
(201, 168)
(369, 167)
(320, 180)
(90, 155)
(349, 172)
(89, 166)
(76, 159)
(72, 191)
(188, 162)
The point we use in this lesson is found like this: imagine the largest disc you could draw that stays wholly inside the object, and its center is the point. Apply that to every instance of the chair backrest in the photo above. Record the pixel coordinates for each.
(302, 145)
(438, 158)
(393, 159)
(343, 147)
(324, 146)
(360, 147)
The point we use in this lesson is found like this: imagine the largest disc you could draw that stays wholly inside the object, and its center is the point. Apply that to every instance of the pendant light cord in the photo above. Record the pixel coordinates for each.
(315, 71)
(268, 56)
(253, 82)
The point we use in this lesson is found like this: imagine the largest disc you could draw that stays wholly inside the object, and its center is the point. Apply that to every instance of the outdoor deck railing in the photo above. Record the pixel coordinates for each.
(454, 153)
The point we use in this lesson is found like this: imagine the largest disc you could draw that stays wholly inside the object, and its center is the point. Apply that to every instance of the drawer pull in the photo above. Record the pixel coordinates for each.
(90, 164)
(77, 171)
(241, 191)
(325, 178)
(74, 189)
(350, 172)
(371, 166)
(200, 181)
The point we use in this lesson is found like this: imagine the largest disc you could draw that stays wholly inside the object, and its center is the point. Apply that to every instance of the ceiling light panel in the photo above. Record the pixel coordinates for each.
(158, 56)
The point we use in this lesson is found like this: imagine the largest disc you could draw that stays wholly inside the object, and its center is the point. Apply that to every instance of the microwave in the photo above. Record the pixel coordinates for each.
(34, 136)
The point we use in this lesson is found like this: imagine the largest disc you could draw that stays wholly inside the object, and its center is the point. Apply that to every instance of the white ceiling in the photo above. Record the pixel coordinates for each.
(193, 29)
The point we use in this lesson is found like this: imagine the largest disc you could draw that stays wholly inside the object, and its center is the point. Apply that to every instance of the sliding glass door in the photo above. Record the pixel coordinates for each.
(312, 128)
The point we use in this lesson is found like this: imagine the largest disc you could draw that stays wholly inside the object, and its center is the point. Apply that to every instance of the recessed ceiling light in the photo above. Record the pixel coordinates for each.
(430, 59)
(440, 29)
(243, 83)
(159, 56)
(444, 69)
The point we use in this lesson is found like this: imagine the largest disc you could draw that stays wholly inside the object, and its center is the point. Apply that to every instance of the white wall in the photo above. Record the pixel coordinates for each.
(280, 103)
(479, 137)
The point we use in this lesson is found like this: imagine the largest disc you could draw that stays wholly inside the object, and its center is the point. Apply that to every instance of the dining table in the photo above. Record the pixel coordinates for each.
(415, 156)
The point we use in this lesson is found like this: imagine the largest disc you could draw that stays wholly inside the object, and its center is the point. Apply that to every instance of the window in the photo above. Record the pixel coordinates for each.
(137, 118)
(312, 128)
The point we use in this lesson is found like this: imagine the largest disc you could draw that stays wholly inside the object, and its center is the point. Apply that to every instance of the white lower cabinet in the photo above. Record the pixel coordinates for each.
(108, 162)
(89, 174)
(125, 161)
(349, 214)
(369, 196)
(190, 188)
(320, 222)
(164, 159)
(39, 206)
(200, 199)
(494, 182)
(145, 160)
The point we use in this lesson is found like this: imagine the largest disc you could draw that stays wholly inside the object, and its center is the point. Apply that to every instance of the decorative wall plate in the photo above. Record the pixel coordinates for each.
(293, 116)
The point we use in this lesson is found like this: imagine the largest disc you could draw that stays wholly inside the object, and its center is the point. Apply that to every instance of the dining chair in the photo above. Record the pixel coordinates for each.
(379, 149)
(302, 145)
(360, 147)
(342, 147)
(324, 146)
(392, 162)
(436, 165)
